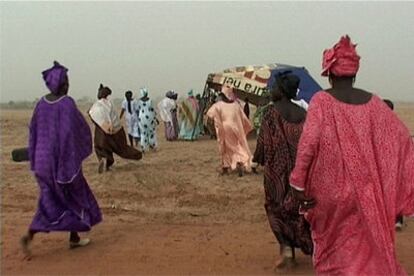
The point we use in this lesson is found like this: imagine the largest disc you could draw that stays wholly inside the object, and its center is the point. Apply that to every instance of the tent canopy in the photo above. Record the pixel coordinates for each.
(254, 82)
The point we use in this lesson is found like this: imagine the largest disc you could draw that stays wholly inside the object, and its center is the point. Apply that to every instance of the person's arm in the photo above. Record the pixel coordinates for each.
(307, 149)
(122, 113)
(247, 125)
(258, 156)
(406, 187)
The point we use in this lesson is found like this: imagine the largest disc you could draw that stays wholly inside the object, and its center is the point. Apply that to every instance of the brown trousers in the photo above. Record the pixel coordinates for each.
(106, 145)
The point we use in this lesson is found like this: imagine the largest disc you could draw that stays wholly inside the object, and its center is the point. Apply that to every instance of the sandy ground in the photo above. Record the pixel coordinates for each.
(169, 213)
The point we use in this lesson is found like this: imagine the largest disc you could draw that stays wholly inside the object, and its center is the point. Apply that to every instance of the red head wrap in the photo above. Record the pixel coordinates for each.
(342, 60)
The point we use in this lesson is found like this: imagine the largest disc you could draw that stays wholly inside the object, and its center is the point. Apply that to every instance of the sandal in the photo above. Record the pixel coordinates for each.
(80, 243)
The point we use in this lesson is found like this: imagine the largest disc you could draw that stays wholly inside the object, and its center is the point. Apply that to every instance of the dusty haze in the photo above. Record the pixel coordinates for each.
(174, 45)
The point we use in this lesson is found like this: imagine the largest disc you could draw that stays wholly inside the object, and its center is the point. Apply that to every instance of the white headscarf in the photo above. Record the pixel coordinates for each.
(143, 91)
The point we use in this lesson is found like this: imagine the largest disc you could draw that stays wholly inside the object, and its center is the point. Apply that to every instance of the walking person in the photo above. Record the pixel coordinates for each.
(276, 148)
(232, 127)
(188, 109)
(109, 136)
(130, 109)
(354, 173)
(168, 112)
(147, 121)
(60, 140)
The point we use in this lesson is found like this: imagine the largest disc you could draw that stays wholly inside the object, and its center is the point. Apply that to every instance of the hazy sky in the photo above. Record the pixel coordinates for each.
(174, 45)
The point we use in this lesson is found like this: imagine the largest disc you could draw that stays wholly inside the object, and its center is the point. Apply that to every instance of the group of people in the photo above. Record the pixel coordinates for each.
(336, 176)
(140, 117)
(181, 121)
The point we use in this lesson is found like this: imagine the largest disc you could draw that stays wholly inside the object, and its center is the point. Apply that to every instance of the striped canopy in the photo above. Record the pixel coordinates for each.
(254, 82)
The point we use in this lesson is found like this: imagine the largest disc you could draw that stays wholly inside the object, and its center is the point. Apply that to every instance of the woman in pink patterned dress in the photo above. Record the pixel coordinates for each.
(355, 167)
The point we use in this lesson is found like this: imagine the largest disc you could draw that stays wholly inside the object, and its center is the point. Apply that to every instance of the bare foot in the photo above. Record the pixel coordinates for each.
(285, 263)
(224, 171)
(240, 170)
(101, 166)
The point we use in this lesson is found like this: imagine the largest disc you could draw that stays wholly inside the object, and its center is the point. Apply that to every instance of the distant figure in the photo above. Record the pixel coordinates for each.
(258, 115)
(147, 122)
(130, 108)
(354, 173)
(200, 115)
(246, 108)
(109, 134)
(188, 110)
(167, 108)
(60, 140)
(208, 122)
(232, 127)
(277, 143)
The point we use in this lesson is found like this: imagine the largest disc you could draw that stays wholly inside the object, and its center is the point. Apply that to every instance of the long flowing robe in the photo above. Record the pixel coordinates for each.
(131, 118)
(188, 110)
(357, 161)
(60, 139)
(109, 135)
(168, 113)
(147, 122)
(232, 127)
(276, 151)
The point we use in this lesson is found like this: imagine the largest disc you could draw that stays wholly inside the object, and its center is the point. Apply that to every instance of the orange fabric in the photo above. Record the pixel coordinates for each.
(232, 127)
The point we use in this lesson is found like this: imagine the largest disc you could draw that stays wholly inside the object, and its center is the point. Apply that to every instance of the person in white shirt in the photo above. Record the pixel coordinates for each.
(130, 109)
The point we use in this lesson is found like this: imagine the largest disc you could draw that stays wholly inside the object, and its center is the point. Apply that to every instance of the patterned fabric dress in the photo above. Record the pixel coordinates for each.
(276, 151)
(131, 118)
(60, 140)
(147, 123)
(188, 110)
(357, 161)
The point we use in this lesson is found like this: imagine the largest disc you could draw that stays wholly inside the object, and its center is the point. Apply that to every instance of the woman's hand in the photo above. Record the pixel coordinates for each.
(305, 202)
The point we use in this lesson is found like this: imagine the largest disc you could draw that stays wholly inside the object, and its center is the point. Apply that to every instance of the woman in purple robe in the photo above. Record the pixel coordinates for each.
(60, 139)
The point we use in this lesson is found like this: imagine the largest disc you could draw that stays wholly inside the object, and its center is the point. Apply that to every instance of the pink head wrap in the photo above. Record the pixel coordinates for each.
(228, 92)
(55, 76)
(342, 60)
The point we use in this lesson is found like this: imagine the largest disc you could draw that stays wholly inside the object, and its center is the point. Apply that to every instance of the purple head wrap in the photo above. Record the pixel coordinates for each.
(54, 77)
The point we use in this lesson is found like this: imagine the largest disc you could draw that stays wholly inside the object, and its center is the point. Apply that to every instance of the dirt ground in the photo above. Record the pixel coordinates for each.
(169, 214)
